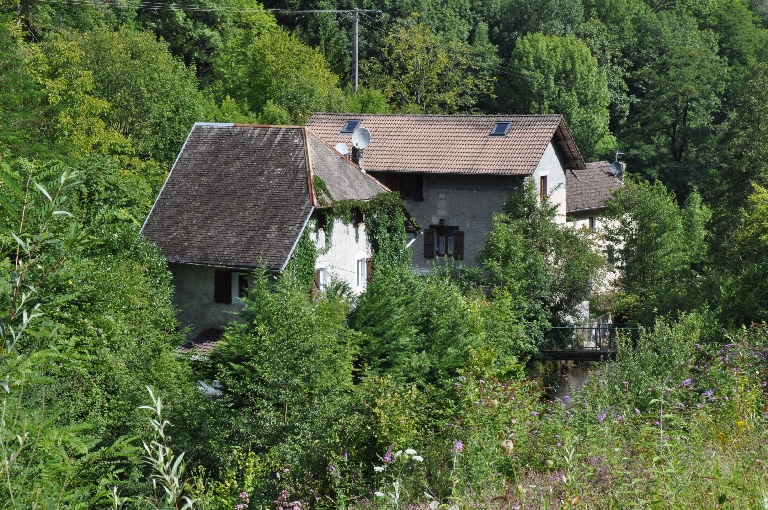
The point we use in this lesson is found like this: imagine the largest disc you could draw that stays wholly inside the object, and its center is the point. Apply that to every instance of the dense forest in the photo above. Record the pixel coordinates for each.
(423, 392)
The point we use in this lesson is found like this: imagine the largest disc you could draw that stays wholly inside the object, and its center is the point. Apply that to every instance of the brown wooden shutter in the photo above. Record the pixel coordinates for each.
(391, 181)
(368, 269)
(429, 244)
(418, 187)
(222, 287)
(458, 244)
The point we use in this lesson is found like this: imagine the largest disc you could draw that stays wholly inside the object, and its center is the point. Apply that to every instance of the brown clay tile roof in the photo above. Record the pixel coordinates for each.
(343, 178)
(589, 188)
(452, 143)
(239, 195)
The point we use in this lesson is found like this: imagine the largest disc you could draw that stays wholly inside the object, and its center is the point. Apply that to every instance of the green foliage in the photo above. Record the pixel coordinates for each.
(425, 72)
(659, 247)
(275, 68)
(539, 271)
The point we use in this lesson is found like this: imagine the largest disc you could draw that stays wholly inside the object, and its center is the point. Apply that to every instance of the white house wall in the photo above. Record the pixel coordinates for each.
(551, 167)
(349, 243)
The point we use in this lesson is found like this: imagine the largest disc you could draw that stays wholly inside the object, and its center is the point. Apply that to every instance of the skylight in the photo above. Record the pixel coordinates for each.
(500, 128)
(350, 125)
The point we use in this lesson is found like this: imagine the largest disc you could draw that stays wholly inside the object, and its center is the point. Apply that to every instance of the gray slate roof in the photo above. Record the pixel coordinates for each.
(589, 188)
(239, 196)
(343, 178)
(458, 144)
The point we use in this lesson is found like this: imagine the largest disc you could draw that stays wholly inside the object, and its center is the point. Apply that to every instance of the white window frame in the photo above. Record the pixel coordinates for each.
(236, 287)
(362, 272)
(322, 278)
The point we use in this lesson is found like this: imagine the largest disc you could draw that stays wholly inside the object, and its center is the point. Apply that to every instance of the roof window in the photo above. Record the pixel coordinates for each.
(350, 126)
(500, 129)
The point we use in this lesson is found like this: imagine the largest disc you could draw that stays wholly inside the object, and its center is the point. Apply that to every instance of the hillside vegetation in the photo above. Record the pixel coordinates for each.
(423, 392)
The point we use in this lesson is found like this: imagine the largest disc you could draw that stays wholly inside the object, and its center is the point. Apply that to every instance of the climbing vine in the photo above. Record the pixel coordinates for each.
(302, 265)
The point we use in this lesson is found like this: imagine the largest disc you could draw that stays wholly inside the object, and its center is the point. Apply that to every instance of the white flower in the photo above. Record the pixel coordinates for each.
(378, 494)
(398, 453)
(378, 469)
(410, 451)
(418, 458)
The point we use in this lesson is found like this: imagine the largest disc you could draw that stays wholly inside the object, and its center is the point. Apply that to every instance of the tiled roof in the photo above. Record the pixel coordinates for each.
(589, 188)
(452, 143)
(239, 196)
(343, 178)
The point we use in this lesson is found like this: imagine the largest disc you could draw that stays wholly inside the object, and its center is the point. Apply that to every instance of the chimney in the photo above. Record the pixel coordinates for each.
(357, 157)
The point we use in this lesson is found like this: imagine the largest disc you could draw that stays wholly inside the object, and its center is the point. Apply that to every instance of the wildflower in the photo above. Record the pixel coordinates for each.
(332, 468)
(637, 411)
(709, 393)
(378, 494)
(398, 453)
(601, 416)
(534, 413)
(418, 458)
(410, 451)
(286, 471)
(378, 469)
(388, 455)
(459, 446)
(345, 456)
(685, 383)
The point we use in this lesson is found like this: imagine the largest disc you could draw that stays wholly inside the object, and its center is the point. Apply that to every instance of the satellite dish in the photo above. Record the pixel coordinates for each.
(361, 137)
(616, 168)
(342, 148)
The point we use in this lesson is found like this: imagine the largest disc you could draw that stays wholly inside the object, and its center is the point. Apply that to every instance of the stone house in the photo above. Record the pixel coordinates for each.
(455, 171)
(238, 199)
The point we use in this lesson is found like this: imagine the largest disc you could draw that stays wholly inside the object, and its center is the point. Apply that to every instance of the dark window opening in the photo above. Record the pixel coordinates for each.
(242, 286)
(543, 188)
(444, 241)
(500, 128)
(351, 125)
(410, 186)
(222, 287)
(591, 223)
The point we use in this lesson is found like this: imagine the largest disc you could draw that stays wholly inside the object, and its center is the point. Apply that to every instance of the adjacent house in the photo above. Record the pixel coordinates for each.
(455, 171)
(237, 199)
(587, 191)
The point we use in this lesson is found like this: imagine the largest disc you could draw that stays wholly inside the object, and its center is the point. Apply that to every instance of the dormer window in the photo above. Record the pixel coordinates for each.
(500, 129)
(351, 125)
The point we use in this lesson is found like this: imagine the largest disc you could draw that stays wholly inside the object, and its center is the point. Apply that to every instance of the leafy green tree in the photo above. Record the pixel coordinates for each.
(275, 66)
(424, 72)
(518, 18)
(659, 248)
(540, 270)
(560, 75)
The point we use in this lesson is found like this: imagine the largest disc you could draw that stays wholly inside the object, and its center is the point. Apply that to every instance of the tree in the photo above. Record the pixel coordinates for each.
(423, 72)
(542, 270)
(658, 246)
(559, 75)
(256, 68)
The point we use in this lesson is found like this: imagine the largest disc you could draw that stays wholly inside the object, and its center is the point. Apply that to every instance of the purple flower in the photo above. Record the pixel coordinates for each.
(685, 383)
(459, 446)
(637, 411)
(709, 393)
(601, 416)
(388, 455)
(534, 413)
(345, 455)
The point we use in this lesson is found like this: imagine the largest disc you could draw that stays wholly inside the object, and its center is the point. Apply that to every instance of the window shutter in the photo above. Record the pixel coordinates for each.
(429, 244)
(222, 287)
(458, 244)
(368, 268)
(418, 187)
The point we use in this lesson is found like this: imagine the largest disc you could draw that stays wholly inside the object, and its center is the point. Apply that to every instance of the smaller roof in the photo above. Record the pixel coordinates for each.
(589, 188)
(240, 196)
(458, 144)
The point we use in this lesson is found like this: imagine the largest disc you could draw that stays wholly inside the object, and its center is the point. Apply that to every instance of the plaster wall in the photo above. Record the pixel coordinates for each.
(469, 201)
(348, 244)
(193, 297)
(551, 167)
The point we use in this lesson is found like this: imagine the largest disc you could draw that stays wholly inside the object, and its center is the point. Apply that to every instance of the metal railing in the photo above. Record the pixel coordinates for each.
(591, 337)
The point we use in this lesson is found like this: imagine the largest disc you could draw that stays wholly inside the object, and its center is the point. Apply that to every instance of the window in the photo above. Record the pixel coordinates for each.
(321, 278)
(443, 241)
(591, 223)
(362, 272)
(351, 125)
(500, 129)
(410, 186)
(543, 188)
(230, 287)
